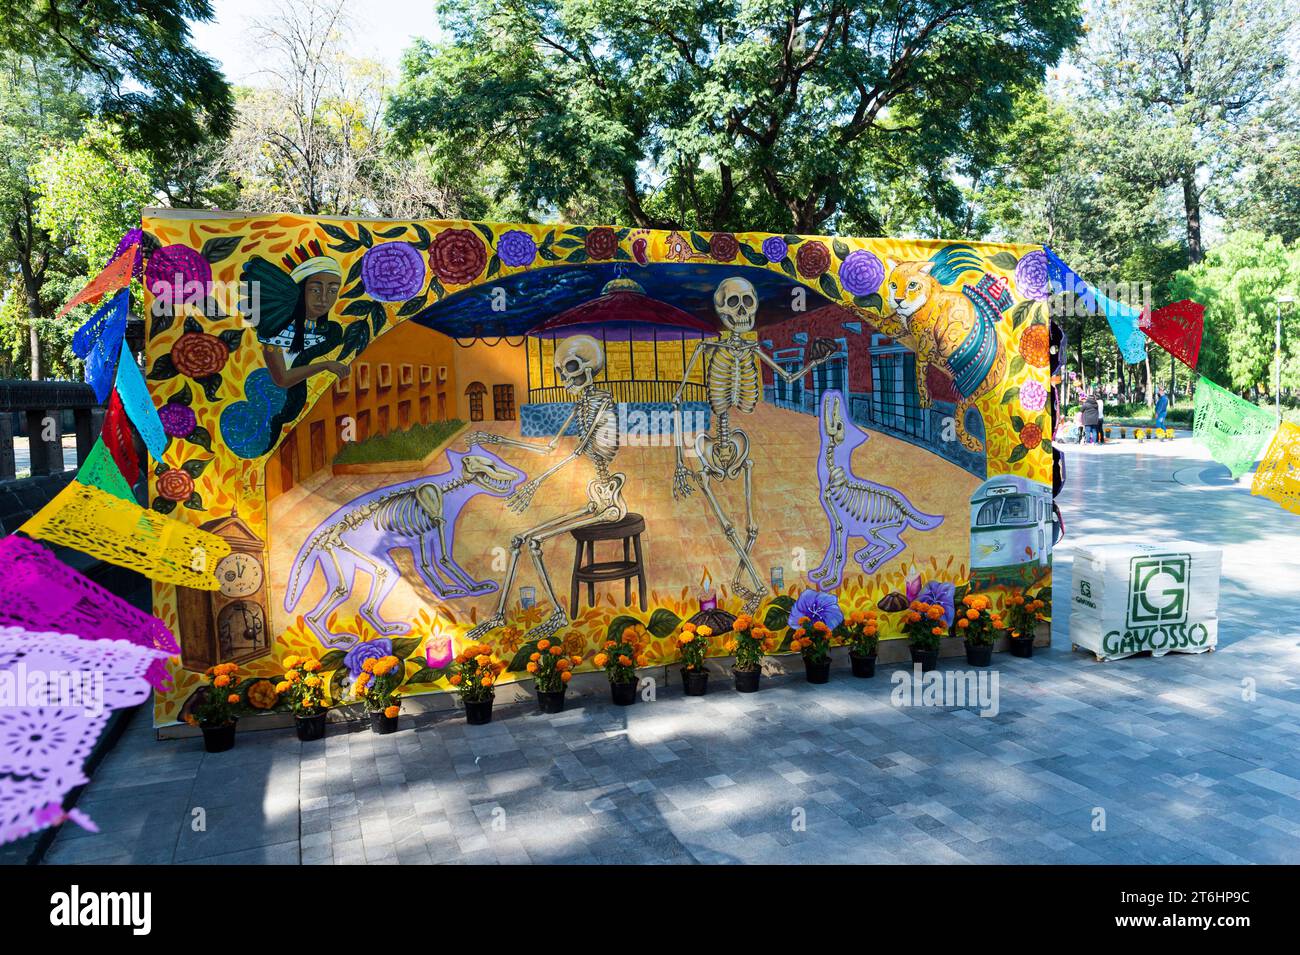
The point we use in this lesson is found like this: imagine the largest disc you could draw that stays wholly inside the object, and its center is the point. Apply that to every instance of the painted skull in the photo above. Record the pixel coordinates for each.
(736, 303)
(578, 360)
(833, 421)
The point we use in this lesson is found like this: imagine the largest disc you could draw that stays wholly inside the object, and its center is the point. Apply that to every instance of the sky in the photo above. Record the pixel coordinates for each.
(382, 30)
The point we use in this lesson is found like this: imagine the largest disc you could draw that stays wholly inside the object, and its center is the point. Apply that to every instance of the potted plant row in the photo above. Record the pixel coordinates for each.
(217, 712)
(692, 646)
(748, 645)
(861, 634)
(979, 626)
(619, 659)
(474, 674)
(1022, 614)
(924, 628)
(812, 641)
(551, 671)
(302, 691)
(376, 686)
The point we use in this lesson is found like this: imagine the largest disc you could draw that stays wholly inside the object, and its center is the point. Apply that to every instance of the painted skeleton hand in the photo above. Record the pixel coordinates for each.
(481, 437)
(681, 482)
(523, 496)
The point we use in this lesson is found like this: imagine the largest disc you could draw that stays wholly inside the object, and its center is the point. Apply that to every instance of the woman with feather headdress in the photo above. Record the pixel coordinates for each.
(289, 308)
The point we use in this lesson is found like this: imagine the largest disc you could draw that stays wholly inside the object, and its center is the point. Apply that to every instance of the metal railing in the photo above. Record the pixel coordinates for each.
(625, 392)
(43, 407)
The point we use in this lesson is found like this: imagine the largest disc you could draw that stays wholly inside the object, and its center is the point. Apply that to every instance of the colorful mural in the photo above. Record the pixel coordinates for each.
(588, 382)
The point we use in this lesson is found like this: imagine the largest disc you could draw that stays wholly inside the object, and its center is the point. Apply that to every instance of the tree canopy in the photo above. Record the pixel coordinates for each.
(725, 113)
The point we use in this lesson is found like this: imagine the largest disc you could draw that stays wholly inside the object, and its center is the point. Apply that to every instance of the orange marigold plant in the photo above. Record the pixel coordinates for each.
(377, 683)
(221, 704)
(620, 658)
(474, 672)
(550, 666)
(693, 645)
(749, 643)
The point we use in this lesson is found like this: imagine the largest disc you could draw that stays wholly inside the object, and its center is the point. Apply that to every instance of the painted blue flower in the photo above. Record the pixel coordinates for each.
(516, 248)
(370, 650)
(775, 249)
(937, 592)
(817, 606)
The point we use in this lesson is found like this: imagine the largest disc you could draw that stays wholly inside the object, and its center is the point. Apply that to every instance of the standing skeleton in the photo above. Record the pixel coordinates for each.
(734, 382)
(578, 360)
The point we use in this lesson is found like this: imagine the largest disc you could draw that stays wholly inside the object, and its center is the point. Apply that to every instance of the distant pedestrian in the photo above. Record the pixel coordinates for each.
(1101, 421)
(1162, 407)
(1091, 417)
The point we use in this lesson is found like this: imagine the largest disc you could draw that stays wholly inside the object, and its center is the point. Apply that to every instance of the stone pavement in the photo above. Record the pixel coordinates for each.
(1185, 765)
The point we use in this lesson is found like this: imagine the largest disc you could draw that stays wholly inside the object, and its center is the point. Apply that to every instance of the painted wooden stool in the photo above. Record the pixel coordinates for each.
(629, 531)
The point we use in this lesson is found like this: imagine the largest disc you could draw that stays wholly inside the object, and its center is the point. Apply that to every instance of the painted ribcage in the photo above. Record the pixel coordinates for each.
(870, 504)
(402, 514)
(604, 440)
(733, 381)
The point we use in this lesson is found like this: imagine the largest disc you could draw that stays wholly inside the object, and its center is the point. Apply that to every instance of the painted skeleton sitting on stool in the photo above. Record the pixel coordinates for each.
(734, 382)
(578, 360)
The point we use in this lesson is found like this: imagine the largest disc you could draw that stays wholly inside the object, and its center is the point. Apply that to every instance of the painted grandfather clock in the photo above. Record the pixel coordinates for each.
(230, 624)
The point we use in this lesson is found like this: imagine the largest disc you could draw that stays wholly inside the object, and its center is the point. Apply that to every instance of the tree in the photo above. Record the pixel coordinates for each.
(1194, 87)
(722, 114)
(1266, 198)
(1239, 282)
(90, 192)
(144, 75)
(39, 107)
(312, 138)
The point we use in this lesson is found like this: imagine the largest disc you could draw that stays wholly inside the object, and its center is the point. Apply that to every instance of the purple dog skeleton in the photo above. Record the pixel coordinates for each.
(418, 515)
(855, 506)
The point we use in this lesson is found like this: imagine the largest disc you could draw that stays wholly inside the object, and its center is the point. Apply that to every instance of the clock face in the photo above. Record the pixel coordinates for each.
(239, 575)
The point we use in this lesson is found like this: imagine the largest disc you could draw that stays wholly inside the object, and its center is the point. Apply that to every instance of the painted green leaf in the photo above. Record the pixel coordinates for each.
(663, 622)
(1004, 260)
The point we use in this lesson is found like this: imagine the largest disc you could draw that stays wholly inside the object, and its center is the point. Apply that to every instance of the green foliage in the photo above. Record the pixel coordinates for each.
(1239, 283)
(724, 114)
(135, 58)
(412, 444)
(91, 191)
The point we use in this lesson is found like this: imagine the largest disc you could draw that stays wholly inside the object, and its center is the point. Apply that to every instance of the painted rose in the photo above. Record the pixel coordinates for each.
(775, 249)
(392, 272)
(724, 247)
(370, 650)
(516, 248)
(861, 273)
(458, 256)
(178, 420)
(813, 259)
(175, 485)
(1031, 436)
(601, 243)
(198, 354)
(1031, 276)
(1033, 396)
(177, 273)
(819, 607)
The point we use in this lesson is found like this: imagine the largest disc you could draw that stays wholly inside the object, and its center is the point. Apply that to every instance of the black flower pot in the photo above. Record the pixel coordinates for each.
(218, 739)
(623, 694)
(1022, 646)
(696, 682)
(979, 654)
(381, 724)
(817, 672)
(863, 666)
(479, 712)
(310, 727)
(551, 701)
(929, 659)
(747, 680)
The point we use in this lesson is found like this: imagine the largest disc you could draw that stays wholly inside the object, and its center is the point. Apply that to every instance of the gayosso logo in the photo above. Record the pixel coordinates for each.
(1158, 587)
